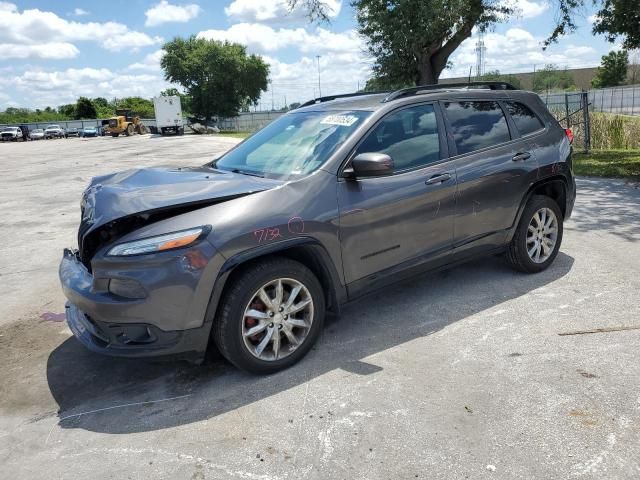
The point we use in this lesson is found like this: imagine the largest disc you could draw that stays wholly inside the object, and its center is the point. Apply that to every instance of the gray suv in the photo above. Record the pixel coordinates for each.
(329, 202)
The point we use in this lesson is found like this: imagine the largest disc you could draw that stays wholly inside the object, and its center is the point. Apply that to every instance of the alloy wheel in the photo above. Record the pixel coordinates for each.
(542, 235)
(277, 319)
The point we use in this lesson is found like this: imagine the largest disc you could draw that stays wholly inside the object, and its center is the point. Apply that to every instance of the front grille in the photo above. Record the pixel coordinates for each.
(113, 123)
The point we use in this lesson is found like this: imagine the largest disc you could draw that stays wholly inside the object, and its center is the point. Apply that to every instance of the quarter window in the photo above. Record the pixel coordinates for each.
(477, 125)
(409, 137)
(526, 121)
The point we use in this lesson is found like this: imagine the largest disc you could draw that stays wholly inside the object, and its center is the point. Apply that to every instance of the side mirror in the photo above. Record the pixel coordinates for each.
(370, 164)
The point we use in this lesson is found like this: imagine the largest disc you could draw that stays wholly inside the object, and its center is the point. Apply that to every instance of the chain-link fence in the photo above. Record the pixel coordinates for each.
(622, 100)
(572, 111)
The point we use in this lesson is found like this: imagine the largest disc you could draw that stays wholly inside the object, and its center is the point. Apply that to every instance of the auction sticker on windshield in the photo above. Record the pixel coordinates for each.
(342, 120)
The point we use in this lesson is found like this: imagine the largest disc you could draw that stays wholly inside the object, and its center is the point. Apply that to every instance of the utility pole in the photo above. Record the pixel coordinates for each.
(319, 89)
(271, 87)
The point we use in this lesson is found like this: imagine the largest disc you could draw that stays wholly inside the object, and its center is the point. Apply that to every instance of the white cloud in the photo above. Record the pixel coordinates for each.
(51, 50)
(34, 28)
(527, 9)
(262, 38)
(274, 11)
(53, 88)
(165, 12)
(7, 7)
(150, 62)
(298, 81)
(517, 50)
(79, 12)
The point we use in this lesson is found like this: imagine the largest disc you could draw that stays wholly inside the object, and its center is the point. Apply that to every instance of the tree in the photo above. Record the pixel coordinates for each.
(219, 76)
(615, 19)
(552, 78)
(612, 71)
(69, 110)
(104, 109)
(142, 107)
(384, 84)
(294, 105)
(85, 109)
(411, 40)
(496, 76)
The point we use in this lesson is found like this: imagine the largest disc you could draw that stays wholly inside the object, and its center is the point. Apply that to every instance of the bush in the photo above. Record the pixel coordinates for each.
(610, 131)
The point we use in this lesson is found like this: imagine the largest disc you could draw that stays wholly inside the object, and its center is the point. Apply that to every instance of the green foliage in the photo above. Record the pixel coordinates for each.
(619, 18)
(612, 71)
(142, 107)
(219, 77)
(294, 105)
(551, 78)
(384, 84)
(24, 115)
(85, 109)
(496, 76)
(411, 40)
(616, 19)
(610, 131)
(608, 163)
(104, 109)
(69, 110)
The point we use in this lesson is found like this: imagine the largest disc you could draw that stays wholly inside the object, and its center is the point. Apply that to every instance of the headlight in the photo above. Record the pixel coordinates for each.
(159, 243)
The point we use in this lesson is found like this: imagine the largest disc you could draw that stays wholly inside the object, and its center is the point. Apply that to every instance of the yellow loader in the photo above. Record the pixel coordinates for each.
(124, 122)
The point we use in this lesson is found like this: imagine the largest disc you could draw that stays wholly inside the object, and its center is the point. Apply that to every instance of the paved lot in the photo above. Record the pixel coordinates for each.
(461, 374)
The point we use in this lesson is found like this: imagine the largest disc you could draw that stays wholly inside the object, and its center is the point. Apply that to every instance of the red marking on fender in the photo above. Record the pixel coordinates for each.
(267, 234)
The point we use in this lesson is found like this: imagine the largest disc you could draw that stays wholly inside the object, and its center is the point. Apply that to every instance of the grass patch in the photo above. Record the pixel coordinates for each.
(608, 163)
(235, 134)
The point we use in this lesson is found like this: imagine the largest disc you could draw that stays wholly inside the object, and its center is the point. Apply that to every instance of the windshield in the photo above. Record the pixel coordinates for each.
(295, 144)
(52, 127)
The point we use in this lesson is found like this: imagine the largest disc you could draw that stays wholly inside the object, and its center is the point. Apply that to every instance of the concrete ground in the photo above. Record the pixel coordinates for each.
(460, 374)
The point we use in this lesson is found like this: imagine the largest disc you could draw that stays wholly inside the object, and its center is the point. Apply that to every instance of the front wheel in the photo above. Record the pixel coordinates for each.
(270, 317)
(538, 236)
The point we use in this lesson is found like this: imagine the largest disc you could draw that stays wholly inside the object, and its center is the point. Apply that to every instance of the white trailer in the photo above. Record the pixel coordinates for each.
(168, 115)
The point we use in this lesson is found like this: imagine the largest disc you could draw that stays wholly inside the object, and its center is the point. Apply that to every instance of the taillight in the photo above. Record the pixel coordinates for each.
(569, 135)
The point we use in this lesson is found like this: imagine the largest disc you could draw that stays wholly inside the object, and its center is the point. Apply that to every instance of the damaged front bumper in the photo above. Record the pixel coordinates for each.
(152, 319)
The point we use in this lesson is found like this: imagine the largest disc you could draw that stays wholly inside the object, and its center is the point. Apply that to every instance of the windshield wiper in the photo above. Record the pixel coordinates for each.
(245, 172)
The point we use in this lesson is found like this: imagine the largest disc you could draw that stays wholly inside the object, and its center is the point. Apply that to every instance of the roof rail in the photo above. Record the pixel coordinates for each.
(406, 92)
(333, 97)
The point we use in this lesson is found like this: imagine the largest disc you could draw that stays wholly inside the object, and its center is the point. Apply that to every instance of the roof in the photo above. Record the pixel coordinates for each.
(377, 100)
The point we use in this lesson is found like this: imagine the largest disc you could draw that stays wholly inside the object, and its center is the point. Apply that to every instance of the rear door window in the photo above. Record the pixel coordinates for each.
(526, 121)
(476, 125)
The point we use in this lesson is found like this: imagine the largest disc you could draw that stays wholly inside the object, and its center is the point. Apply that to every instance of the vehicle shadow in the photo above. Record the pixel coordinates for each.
(607, 206)
(111, 395)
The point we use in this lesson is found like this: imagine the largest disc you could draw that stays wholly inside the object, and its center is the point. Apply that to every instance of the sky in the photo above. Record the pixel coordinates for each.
(51, 52)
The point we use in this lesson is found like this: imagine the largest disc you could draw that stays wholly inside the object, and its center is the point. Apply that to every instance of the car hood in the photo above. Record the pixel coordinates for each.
(148, 190)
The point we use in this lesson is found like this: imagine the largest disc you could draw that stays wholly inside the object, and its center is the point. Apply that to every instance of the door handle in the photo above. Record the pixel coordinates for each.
(439, 178)
(521, 156)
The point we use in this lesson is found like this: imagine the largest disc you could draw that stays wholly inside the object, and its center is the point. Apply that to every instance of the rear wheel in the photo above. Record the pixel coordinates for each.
(129, 131)
(538, 236)
(270, 317)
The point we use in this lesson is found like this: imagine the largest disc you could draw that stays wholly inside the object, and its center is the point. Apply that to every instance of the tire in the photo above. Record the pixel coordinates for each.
(114, 135)
(518, 252)
(230, 321)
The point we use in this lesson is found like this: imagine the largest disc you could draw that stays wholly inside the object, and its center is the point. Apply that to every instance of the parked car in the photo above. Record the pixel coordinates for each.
(89, 132)
(37, 134)
(73, 132)
(54, 131)
(331, 201)
(11, 134)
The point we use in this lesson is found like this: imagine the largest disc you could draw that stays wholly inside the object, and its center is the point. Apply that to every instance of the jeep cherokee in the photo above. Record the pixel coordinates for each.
(330, 201)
